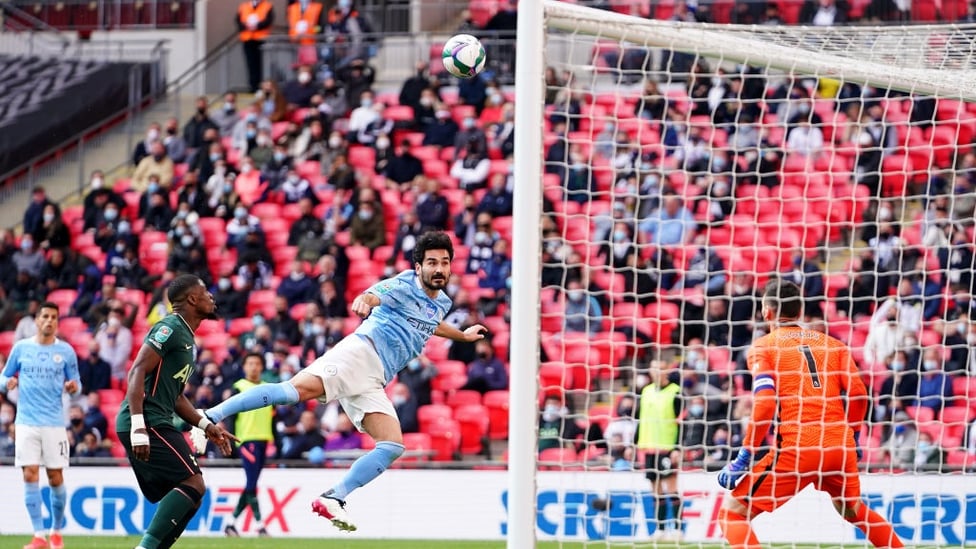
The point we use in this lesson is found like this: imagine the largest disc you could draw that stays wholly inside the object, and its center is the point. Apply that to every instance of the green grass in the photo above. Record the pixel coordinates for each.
(117, 542)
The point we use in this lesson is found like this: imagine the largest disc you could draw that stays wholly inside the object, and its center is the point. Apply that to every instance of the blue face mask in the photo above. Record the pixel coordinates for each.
(111, 214)
(413, 365)
(152, 188)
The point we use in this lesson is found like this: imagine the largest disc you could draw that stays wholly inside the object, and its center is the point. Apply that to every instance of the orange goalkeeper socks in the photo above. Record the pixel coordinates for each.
(737, 529)
(878, 531)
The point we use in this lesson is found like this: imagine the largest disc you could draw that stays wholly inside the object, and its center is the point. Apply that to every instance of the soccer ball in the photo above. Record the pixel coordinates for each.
(463, 56)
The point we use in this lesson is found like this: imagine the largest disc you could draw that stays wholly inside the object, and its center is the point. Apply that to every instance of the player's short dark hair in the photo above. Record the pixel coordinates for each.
(433, 240)
(784, 297)
(258, 356)
(49, 305)
(180, 287)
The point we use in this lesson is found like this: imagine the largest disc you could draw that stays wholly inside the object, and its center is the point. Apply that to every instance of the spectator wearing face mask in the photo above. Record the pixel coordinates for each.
(226, 116)
(94, 373)
(99, 194)
(443, 131)
(901, 445)
(362, 116)
(248, 126)
(472, 166)
(934, 386)
(231, 302)
(899, 389)
(486, 372)
(498, 201)
(417, 376)
(248, 185)
(115, 342)
(406, 408)
(556, 428)
(367, 228)
(583, 313)
(295, 188)
(298, 92)
(52, 233)
(143, 147)
(157, 213)
(402, 167)
(196, 128)
(694, 429)
(470, 133)
(28, 258)
(158, 163)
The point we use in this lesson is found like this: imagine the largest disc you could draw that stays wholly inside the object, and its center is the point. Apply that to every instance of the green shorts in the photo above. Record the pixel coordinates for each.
(170, 462)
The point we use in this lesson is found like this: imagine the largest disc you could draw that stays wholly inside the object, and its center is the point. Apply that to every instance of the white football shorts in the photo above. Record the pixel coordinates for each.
(45, 446)
(352, 373)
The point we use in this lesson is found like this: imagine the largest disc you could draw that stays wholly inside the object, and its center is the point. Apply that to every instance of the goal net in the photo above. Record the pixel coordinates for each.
(685, 165)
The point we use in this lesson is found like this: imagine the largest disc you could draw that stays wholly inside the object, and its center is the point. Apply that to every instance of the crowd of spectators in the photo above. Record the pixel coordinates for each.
(289, 203)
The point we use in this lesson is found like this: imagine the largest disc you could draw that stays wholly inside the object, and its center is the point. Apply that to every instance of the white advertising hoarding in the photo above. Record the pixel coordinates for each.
(422, 504)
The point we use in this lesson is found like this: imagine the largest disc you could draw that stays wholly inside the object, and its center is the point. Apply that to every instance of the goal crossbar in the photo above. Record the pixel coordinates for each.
(921, 59)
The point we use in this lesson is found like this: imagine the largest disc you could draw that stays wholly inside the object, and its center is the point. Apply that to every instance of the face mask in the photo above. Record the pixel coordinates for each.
(335, 142)
(48, 218)
(365, 215)
(930, 365)
(367, 103)
(158, 157)
(263, 141)
(124, 227)
(382, 144)
(696, 410)
(442, 115)
(413, 365)
(550, 413)
(318, 330)
(224, 284)
(280, 156)
(481, 238)
(246, 168)
(186, 240)
(258, 320)
(293, 179)
(304, 77)
(114, 322)
(344, 4)
(26, 245)
(179, 231)
(483, 355)
(701, 365)
(96, 183)
(468, 123)
(398, 400)
(182, 214)
(214, 157)
(228, 107)
(625, 412)
(111, 214)
(228, 188)
(897, 366)
(251, 133)
(619, 236)
(426, 101)
(297, 276)
(924, 446)
(152, 135)
(120, 247)
(152, 188)
(575, 295)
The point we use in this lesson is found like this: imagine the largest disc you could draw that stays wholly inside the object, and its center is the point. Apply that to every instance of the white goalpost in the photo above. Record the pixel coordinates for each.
(838, 157)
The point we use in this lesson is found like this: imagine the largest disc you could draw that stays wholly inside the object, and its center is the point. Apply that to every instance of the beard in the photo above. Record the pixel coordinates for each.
(432, 283)
(212, 314)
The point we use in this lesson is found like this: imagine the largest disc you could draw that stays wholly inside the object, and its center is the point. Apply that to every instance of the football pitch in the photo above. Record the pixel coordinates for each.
(118, 542)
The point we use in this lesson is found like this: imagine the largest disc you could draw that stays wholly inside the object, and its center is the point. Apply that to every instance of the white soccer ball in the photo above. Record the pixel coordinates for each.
(463, 56)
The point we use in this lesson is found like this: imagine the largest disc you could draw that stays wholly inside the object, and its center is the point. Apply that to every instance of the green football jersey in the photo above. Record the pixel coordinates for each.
(172, 339)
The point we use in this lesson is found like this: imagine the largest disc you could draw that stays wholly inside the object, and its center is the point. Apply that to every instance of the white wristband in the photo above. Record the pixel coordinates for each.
(138, 422)
(204, 422)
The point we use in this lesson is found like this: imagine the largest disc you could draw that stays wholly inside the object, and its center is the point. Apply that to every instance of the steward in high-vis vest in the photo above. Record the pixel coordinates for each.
(254, 20)
(658, 430)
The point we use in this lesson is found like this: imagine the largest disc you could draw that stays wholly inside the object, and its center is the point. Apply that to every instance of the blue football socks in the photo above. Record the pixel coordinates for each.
(367, 468)
(272, 394)
(32, 498)
(59, 497)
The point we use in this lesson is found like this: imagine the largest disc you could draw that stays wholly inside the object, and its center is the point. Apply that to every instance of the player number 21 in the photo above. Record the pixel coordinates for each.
(811, 365)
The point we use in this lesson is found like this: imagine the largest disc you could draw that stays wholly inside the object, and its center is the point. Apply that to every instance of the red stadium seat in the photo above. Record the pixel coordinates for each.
(416, 442)
(70, 325)
(474, 420)
(464, 397)
(555, 376)
(6, 342)
(239, 326)
(445, 437)
(261, 300)
(559, 459)
(430, 413)
(63, 298)
(497, 404)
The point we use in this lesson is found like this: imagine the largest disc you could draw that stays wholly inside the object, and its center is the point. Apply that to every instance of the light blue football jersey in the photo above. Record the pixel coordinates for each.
(43, 370)
(403, 322)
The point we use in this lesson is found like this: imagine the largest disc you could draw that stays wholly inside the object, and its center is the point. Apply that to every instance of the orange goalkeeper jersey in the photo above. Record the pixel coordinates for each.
(807, 383)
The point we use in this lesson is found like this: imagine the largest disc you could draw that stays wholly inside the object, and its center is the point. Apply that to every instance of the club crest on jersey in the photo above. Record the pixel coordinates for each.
(57, 358)
(162, 334)
(383, 288)
(430, 311)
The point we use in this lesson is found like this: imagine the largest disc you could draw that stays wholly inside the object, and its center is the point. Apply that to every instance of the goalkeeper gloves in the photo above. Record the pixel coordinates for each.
(731, 474)
(857, 445)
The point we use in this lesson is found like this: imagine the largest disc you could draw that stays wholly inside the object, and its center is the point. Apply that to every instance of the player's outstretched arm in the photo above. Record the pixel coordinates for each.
(145, 363)
(215, 432)
(470, 335)
(363, 304)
